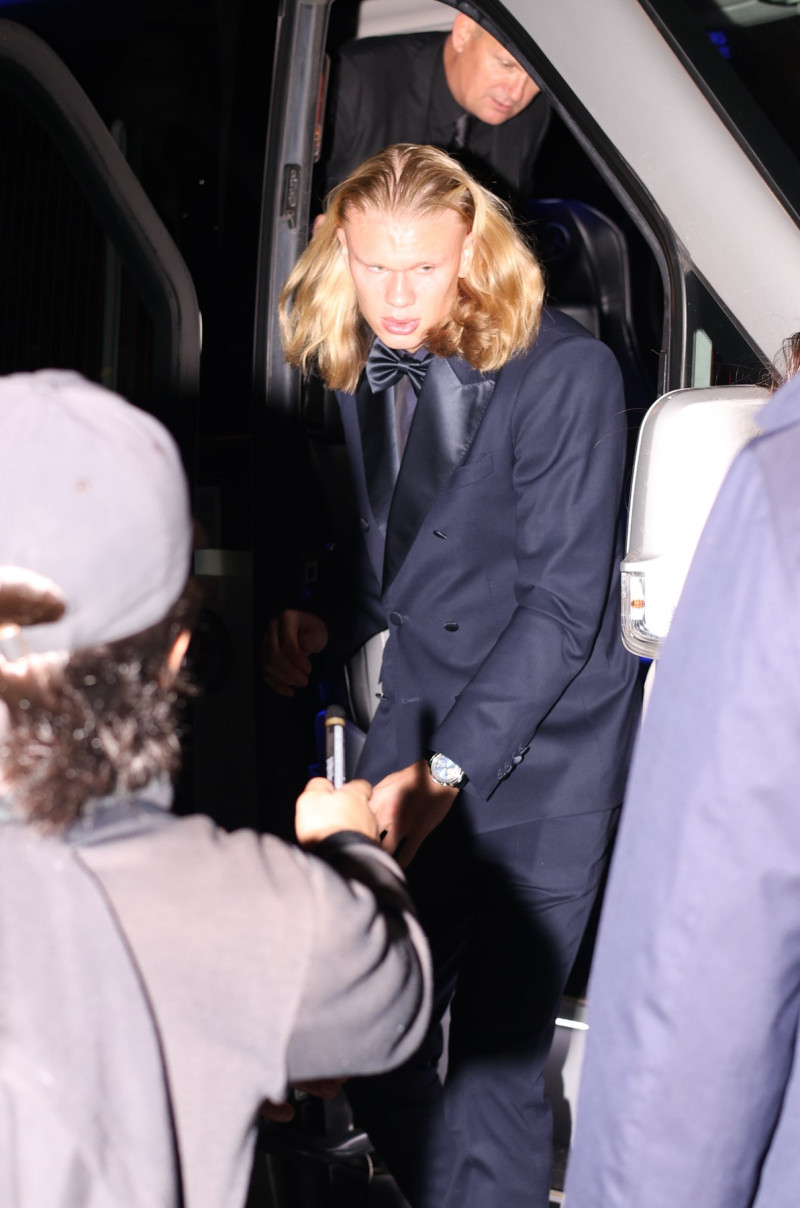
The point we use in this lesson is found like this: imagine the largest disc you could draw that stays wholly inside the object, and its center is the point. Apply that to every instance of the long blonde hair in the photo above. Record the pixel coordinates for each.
(500, 298)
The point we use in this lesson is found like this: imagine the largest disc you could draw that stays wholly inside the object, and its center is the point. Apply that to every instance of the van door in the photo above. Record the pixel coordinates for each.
(93, 280)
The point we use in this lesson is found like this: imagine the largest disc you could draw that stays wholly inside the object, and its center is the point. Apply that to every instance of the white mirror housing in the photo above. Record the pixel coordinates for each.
(687, 442)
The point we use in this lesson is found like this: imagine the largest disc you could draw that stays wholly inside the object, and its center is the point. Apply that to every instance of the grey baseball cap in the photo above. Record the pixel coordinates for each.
(94, 502)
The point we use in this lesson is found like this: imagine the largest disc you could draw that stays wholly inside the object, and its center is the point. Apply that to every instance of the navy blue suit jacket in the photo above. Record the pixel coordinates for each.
(498, 581)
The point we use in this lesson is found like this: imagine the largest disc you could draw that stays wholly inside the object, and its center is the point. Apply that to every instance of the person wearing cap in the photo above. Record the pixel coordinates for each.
(462, 91)
(486, 441)
(159, 978)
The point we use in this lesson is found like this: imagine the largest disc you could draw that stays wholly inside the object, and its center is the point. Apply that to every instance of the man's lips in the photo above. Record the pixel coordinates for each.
(400, 327)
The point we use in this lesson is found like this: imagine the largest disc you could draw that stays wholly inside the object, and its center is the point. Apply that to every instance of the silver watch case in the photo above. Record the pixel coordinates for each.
(445, 771)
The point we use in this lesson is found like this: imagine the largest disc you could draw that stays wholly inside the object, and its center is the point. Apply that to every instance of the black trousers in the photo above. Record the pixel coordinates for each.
(505, 912)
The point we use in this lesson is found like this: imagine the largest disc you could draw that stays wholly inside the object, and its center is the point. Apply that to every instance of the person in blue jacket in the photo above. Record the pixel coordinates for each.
(691, 1084)
(486, 439)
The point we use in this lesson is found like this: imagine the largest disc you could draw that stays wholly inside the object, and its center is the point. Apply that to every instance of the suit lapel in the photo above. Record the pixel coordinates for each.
(451, 406)
(353, 408)
(376, 421)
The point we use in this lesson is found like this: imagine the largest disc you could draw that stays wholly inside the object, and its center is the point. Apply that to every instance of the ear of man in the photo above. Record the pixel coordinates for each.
(463, 31)
(178, 652)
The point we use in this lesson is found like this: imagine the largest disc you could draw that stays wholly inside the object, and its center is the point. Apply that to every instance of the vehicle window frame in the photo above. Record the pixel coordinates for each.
(736, 107)
(616, 173)
(299, 64)
(41, 82)
(675, 263)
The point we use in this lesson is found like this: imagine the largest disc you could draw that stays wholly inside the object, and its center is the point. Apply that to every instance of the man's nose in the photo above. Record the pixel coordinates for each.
(517, 85)
(399, 291)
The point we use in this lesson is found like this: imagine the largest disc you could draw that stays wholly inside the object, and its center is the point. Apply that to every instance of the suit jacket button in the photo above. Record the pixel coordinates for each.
(395, 618)
(365, 524)
(451, 626)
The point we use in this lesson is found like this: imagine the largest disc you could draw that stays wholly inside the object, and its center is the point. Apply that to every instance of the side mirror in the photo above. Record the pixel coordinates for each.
(687, 442)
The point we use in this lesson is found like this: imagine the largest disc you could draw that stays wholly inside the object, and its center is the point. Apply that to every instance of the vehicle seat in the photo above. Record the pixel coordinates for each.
(585, 256)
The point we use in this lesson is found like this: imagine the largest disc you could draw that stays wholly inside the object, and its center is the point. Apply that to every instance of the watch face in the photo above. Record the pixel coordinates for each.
(445, 770)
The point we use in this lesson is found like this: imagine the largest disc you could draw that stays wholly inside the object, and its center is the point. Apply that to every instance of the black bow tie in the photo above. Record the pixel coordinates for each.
(385, 367)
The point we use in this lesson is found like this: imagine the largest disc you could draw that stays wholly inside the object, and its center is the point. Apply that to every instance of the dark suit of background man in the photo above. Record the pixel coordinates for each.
(456, 90)
(488, 548)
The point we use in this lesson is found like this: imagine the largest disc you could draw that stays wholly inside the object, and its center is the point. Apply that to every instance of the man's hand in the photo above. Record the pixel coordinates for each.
(408, 805)
(290, 639)
(282, 1113)
(322, 810)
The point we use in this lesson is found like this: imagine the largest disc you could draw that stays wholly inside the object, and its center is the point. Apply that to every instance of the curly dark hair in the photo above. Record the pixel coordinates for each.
(790, 354)
(104, 722)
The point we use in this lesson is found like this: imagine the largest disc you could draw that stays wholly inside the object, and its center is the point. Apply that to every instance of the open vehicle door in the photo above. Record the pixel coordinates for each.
(124, 313)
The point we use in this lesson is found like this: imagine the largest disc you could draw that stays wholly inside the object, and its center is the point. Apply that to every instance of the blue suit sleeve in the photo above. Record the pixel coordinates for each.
(569, 438)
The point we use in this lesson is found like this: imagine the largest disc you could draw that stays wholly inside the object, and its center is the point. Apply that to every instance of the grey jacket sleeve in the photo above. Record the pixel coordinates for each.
(263, 965)
(368, 972)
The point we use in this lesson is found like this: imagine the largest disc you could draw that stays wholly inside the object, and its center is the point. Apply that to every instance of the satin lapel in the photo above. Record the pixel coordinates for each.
(352, 407)
(379, 447)
(451, 406)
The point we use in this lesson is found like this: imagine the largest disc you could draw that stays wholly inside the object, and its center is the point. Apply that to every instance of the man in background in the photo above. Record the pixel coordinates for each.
(461, 91)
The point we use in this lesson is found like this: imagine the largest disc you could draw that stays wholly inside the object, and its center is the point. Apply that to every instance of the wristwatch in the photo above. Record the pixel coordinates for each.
(446, 772)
